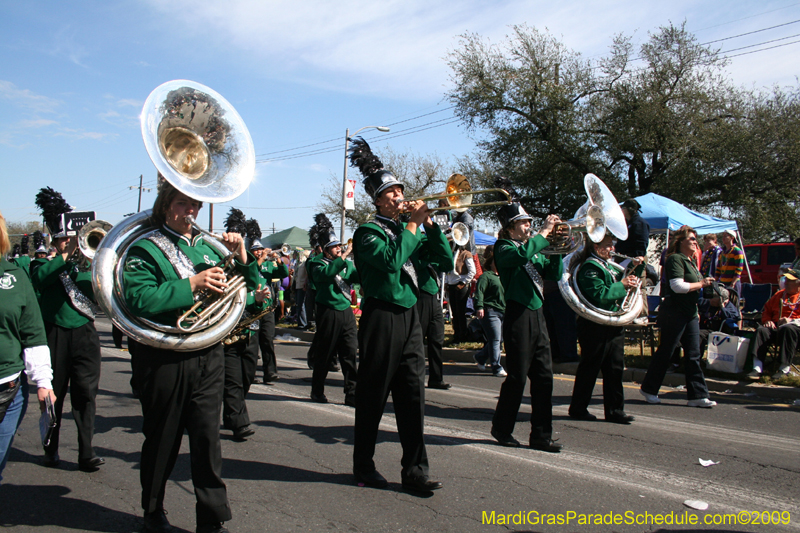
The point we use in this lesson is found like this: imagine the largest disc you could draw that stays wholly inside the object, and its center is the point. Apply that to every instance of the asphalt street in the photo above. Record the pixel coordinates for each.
(294, 474)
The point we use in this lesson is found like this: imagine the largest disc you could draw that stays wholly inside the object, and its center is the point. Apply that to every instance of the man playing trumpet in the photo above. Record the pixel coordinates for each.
(522, 267)
(392, 361)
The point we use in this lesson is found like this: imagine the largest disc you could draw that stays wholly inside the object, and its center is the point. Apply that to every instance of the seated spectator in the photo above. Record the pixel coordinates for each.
(717, 313)
(780, 325)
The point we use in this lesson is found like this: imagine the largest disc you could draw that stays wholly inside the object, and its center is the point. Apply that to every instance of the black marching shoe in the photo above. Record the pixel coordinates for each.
(51, 461)
(350, 400)
(373, 479)
(91, 465)
(243, 432)
(421, 484)
(441, 385)
(585, 415)
(156, 522)
(619, 417)
(212, 528)
(546, 445)
(271, 377)
(319, 398)
(505, 440)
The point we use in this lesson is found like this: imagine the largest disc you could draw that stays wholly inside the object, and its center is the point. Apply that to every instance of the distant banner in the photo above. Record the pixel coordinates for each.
(349, 195)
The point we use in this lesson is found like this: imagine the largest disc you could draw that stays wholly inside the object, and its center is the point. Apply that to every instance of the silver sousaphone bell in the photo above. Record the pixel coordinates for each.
(200, 144)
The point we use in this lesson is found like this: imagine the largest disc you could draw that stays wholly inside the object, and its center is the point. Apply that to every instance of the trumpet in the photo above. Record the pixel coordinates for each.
(245, 323)
(209, 306)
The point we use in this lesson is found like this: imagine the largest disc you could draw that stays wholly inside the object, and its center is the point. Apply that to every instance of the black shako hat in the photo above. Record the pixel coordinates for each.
(513, 211)
(376, 178)
(52, 205)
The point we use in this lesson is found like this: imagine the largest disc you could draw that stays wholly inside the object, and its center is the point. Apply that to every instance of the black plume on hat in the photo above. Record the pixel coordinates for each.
(376, 178)
(361, 157)
(236, 222)
(253, 229)
(38, 239)
(23, 244)
(15, 250)
(52, 205)
(319, 233)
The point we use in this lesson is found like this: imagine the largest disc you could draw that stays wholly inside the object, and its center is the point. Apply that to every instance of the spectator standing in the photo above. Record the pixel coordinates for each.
(490, 307)
(732, 264)
(711, 254)
(458, 285)
(638, 231)
(300, 281)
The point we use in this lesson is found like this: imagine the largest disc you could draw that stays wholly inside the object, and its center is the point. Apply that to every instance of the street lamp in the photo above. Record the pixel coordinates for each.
(344, 181)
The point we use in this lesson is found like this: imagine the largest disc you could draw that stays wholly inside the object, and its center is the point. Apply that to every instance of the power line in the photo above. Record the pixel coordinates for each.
(401, 133)
(338, 139)
(763, 49)
(759, 44)
(751, 32)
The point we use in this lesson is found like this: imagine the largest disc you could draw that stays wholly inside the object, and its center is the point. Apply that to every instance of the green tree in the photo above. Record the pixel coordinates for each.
(658, 118)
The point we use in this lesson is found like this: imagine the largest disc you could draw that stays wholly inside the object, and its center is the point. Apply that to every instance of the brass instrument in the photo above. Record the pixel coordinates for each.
(613, 221)
(458, 233)
(209, 306)
(200, 144)
(458, 194)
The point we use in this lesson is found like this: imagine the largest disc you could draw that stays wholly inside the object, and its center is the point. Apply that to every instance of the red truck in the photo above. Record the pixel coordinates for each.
(765, 261)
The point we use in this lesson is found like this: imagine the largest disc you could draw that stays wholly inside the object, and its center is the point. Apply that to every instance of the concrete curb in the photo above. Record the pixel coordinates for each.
(636, 375)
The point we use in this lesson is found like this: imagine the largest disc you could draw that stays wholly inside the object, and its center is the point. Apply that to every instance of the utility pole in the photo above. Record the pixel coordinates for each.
(211, 218)
(139, 208)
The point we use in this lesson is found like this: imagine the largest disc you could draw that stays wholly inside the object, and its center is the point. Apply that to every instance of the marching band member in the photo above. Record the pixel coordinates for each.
(241, 352)
(390, 337)
(270, 268)
(336, 325)
(521, 267)
(180, 390)
(431, 315)
(65, 298)
(602, 347)
(679, 322)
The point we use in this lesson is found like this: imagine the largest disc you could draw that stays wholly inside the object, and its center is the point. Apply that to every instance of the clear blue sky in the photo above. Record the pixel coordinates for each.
(74, 76)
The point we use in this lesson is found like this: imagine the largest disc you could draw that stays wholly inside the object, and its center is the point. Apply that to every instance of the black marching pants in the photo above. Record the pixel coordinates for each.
(336, 335)
(241, 359)
(527, 357)
(183, 391)
(458, 305)
(75, 356)
(266, 342)
(602, 348)
(431, 320)
(391, 360)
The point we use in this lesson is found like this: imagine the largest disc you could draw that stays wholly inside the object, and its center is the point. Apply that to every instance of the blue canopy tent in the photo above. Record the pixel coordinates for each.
(665, 215)
(481, 239)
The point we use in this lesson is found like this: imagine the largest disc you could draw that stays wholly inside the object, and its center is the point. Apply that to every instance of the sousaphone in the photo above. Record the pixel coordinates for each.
(200, 144)
(601, 200)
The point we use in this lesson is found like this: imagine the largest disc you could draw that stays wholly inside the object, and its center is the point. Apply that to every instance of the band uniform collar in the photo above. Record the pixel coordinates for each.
(386, 219)
(175, 236)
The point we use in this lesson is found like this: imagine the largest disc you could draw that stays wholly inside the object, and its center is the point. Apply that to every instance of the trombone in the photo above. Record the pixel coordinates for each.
(458, 194)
